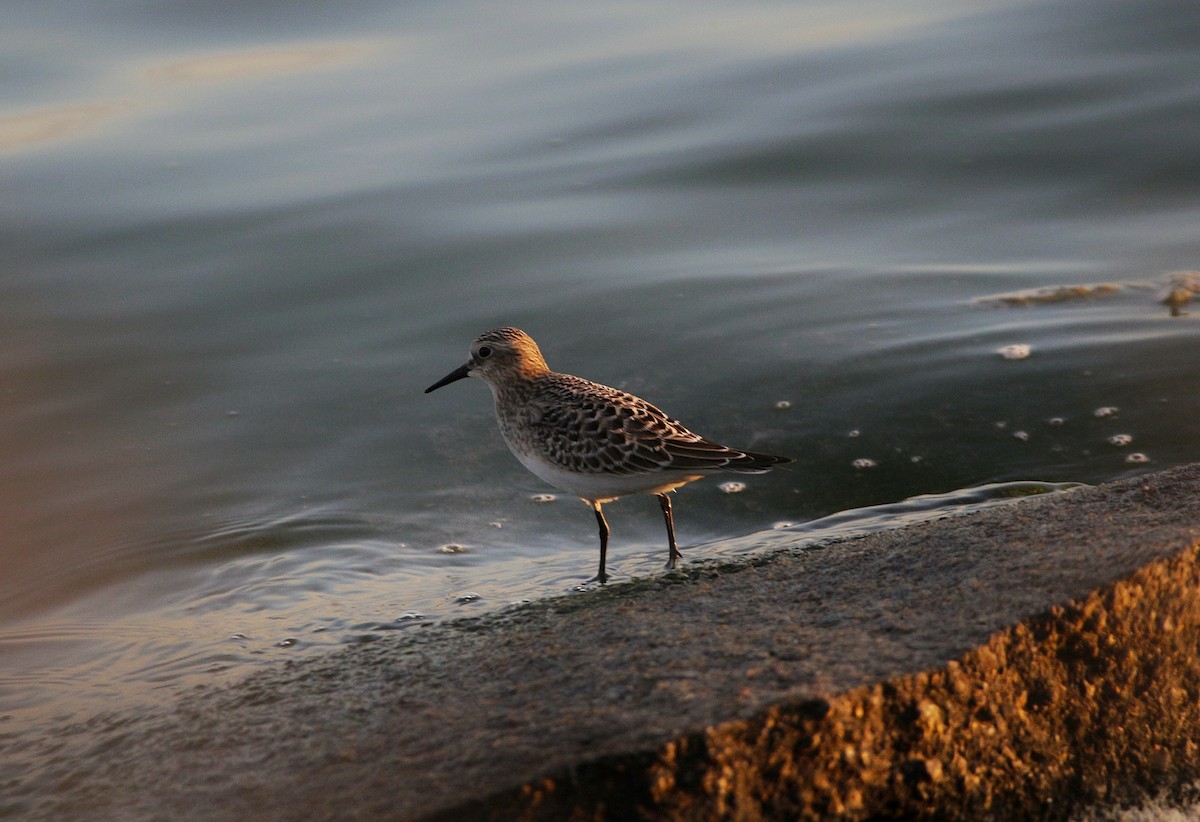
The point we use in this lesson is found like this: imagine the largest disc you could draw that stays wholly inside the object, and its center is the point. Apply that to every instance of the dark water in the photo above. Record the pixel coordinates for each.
(237, 241)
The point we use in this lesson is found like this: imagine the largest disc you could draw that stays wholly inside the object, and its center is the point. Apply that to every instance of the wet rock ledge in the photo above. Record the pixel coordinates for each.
(1026, 661)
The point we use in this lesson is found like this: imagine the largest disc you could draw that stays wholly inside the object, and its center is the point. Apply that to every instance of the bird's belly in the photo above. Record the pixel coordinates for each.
(601, 487)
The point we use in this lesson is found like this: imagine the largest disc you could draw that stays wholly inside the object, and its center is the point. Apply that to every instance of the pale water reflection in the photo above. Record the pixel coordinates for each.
(23, 129)
(245, 65)
(146, 88)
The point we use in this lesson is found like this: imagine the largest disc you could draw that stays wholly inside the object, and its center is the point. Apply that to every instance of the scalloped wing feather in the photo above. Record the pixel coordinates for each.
(586, 426)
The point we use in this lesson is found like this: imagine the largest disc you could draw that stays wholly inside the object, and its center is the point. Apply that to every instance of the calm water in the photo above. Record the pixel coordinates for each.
(236, 243)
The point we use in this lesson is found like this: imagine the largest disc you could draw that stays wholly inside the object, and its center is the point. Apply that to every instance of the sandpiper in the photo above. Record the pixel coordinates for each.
(589, 440)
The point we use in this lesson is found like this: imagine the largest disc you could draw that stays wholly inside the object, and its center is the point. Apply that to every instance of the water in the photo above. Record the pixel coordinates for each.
(237, 243)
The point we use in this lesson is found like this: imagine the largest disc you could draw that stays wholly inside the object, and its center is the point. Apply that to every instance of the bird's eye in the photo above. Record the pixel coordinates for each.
(484, 352)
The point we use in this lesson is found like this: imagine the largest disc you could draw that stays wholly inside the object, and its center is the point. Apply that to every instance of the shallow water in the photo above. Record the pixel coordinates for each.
(237, 247)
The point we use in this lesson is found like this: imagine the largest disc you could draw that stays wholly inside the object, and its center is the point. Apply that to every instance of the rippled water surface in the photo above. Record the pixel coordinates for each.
(919, 246)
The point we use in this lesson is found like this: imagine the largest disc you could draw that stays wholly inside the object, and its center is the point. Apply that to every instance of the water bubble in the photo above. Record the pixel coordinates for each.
(1055, 421)
(779, 526)
(1017, 351)
(470, 596)
(496, 524)
(1105, 411)
(286, 643)
(543, 498)
(1136, 456)
(864, 462)
(452, 548)
(411, 615)
(783, 405)
(732, 487)
(854, 433)
(1023, 436)
(916, 458)
(239, 637)
(1001, 424)
(1120, 440)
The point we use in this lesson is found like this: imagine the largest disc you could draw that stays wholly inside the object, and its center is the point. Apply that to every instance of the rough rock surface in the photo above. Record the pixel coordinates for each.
(1023, 661)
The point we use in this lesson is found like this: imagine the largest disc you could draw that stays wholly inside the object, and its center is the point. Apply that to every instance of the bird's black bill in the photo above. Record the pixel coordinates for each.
(454, 376)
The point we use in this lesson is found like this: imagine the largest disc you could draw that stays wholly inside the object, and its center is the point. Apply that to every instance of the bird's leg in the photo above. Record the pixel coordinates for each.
(665, 501)
(602, 576)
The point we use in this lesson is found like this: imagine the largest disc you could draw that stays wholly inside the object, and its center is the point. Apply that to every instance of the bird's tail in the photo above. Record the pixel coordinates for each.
(751, 463)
